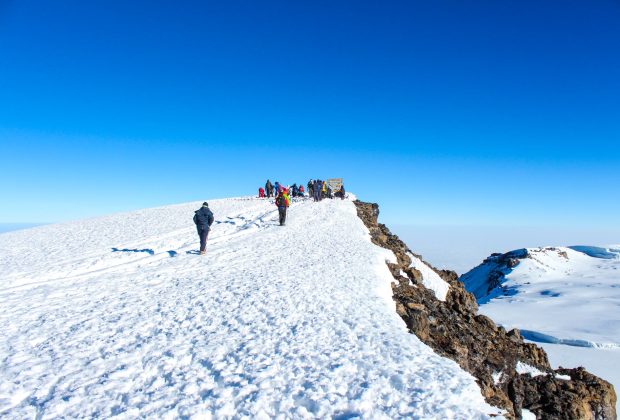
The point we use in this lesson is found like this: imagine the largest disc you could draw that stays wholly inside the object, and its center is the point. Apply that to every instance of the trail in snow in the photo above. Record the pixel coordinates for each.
(117, 316)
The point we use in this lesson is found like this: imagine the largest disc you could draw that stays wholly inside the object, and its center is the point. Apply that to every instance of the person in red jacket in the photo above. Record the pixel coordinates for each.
(261, 192)
(283, 201)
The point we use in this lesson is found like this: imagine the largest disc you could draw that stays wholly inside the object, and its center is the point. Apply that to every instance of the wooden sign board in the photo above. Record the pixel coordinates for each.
(334, 183)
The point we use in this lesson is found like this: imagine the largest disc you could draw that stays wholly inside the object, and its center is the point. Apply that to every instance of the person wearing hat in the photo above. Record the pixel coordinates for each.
(203, 218)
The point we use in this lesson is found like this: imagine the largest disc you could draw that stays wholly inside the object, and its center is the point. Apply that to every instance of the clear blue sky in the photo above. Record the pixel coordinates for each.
(444, 112)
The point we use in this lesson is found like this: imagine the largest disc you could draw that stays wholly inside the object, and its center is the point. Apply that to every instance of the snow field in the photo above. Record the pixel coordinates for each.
(567, 300)
(562, 296)
(118, 316)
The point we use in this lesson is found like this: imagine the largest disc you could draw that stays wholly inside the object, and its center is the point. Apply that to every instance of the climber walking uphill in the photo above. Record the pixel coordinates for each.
(203, 218)
(282, 201)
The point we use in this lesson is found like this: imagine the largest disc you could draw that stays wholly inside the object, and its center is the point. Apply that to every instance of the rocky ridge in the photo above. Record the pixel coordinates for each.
(454, 329)
(498, 266)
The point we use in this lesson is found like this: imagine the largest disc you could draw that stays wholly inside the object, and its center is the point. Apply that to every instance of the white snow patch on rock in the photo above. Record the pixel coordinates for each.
(430, 278)
(524, 368)
(497, 377)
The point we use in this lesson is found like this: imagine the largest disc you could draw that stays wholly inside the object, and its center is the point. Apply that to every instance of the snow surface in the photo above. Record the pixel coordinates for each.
(119, 316)
(527, 415)
(524, 368)
(566, 299)
(430, 278)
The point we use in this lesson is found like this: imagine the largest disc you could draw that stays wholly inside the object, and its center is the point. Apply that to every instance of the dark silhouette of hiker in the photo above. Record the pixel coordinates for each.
(341, 192)
(316, 188)
(203, 218)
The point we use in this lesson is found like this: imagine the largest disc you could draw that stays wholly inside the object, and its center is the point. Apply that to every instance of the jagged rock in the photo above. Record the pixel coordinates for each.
(512, 262)
(454, 329)
(585, 396)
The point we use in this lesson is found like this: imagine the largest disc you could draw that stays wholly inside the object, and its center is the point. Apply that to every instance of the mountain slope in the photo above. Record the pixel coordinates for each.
(560, 295)
(117, 315)
(567, 299)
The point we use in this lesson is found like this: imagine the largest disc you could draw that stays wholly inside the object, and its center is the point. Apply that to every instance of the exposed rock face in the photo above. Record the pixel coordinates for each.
(454, 329)
(499, 265)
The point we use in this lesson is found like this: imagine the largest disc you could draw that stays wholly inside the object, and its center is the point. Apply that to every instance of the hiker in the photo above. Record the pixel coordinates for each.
(282, 201)
(310, 188)
(277, 188)
(316, 188)
(341, 192)
(203, 218)
(261, 193)
(329, 192)
(323, 189)
(269, 188)
(301, 191)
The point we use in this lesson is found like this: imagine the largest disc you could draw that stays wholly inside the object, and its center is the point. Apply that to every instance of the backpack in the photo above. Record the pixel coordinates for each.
(279, 201)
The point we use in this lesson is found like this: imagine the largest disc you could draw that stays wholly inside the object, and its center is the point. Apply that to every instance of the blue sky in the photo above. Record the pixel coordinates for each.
(444, 112)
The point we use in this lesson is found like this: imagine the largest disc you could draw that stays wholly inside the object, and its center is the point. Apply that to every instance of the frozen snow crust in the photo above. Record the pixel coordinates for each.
(118, 316)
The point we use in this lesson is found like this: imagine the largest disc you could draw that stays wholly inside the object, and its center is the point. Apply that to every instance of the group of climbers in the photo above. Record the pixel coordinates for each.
(318, 189)
(271, 191)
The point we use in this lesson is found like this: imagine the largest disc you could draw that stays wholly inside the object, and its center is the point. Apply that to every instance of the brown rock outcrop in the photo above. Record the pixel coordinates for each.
(454, 329)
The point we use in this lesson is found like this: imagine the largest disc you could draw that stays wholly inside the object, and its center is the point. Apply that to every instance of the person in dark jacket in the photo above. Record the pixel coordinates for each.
(341, 192)
(316, 189)
(203, 218)
(269, 188)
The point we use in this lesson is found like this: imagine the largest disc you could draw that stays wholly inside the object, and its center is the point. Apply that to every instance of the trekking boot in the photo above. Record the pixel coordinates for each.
(203, 252)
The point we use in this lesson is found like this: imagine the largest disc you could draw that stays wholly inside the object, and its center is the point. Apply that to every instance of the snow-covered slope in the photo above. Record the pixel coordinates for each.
(565, 298)
(118, 315)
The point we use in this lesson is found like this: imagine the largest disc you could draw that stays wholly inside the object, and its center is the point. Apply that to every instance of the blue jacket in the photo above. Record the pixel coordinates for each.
(203, 217)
